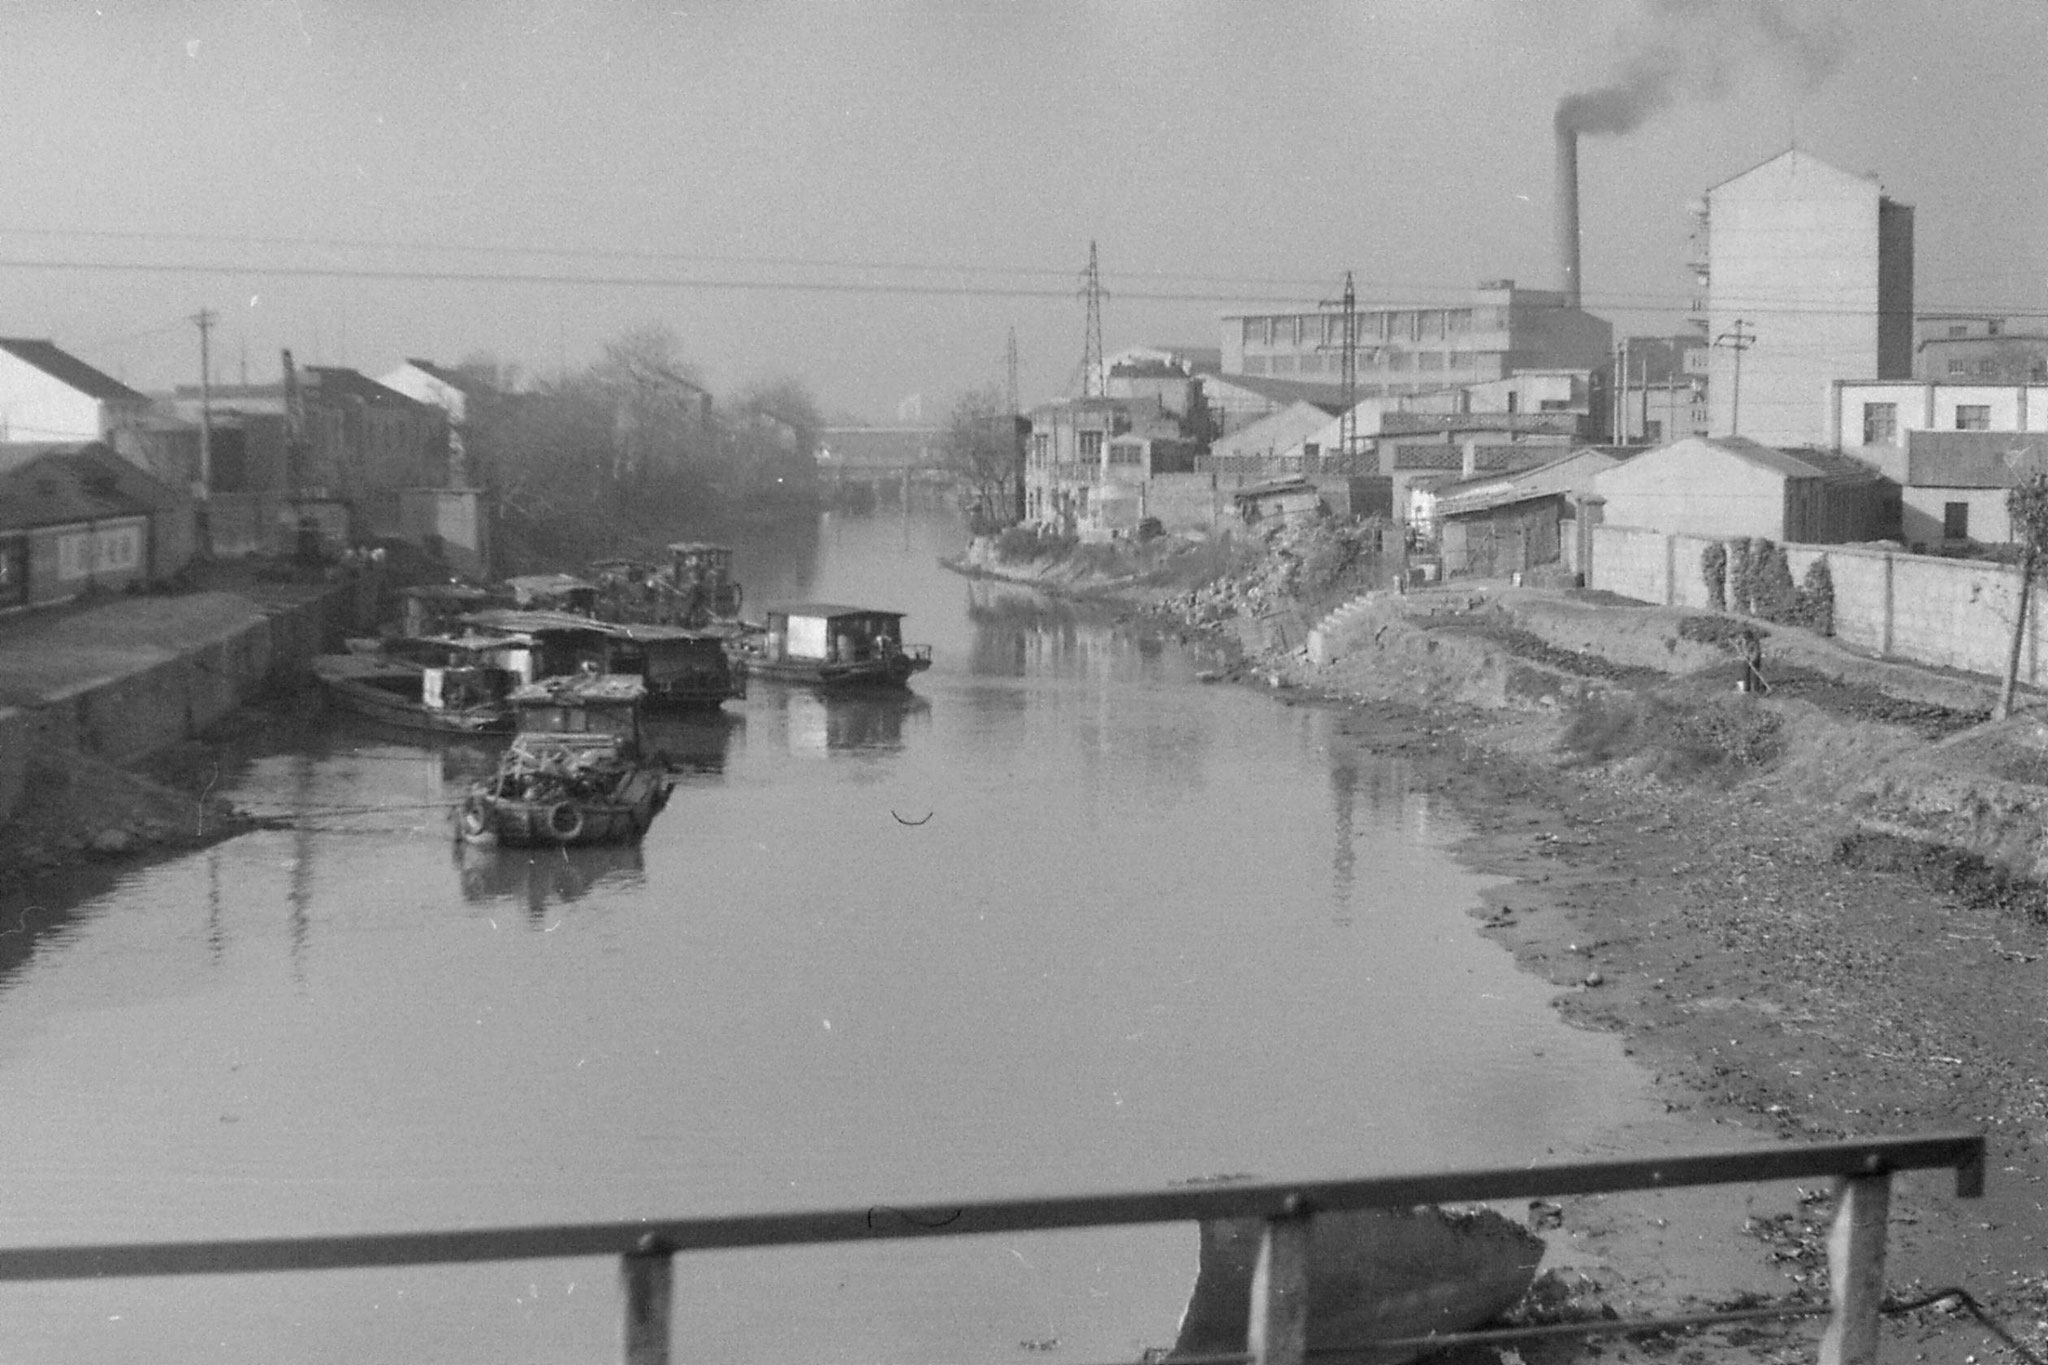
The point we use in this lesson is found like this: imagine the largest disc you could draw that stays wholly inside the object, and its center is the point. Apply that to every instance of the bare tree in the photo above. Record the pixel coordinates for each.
(2027, 505)
(979, 447)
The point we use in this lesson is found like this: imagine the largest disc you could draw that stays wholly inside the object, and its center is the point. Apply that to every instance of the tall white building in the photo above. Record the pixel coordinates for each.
(1809, 275)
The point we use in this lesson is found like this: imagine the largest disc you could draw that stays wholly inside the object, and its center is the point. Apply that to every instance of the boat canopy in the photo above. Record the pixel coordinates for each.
(828, 611)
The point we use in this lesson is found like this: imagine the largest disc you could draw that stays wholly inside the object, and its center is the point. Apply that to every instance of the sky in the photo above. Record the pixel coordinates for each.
(872, 197)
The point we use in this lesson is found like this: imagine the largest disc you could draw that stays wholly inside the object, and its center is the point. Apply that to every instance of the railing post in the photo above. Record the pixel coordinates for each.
(647, 1274)
(1856, 1246)
(1278, 1332)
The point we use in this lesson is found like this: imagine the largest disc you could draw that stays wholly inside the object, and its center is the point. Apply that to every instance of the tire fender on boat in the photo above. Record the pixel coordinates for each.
(565, 821)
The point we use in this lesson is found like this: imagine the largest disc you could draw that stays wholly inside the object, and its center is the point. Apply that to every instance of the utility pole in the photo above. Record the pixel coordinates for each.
(1738, 341)
(1347, 425)
(1092, 381)
(1016, 435)
(204, 319)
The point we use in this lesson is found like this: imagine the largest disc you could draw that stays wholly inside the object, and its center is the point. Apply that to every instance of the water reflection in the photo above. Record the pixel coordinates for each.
(695, 741)
(537, 878)
(818, 723)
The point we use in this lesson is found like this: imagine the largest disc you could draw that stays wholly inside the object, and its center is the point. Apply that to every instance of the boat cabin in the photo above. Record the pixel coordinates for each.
(682, 666)
(549, 644)
(823, 632)
(434, 608)
(702, 572)
(592, 711)
(553, 592)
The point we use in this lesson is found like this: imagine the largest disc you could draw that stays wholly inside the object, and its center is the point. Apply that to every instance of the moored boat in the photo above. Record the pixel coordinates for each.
(829, 645)
(443, 686)
(575, 772)
(680, 667)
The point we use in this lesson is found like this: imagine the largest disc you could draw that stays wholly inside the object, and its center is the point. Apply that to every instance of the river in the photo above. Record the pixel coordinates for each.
(1063, 919)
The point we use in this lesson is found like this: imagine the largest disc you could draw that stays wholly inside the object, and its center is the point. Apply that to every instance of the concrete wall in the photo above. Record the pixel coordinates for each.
(1182, 502)
(1944, 613)
(1792, 256)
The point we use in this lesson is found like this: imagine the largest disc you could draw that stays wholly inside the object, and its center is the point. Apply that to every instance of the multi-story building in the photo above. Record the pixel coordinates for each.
(1961, 347)
(332, 438)
(1098, 465)
(1809, 279)
(1415, 348)
(1955, 450)
(1659, 391)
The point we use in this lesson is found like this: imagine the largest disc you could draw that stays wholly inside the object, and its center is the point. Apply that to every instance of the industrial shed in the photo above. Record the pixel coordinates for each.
(1498, 526)
(1726, 486)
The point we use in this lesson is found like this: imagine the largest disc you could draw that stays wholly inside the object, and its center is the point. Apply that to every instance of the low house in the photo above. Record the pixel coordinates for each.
(79, 520)
(1957, 483)
(1278, 502)
(1726, 486)
(1495, 526)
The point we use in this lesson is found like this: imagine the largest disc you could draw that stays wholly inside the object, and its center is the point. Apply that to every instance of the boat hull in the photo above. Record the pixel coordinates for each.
(620, 817)
(1374, 1275)
(394, 696)
(895, 671)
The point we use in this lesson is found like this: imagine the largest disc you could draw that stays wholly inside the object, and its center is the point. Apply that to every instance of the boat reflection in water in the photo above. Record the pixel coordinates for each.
(536, 878)
(693, 741)
(821, 723)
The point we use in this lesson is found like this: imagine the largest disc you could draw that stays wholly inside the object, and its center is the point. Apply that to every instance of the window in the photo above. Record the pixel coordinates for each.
(1429, 360)
(1959, 367)
(1880, 424)
(1973, 417)
(1653, 431)
(1955, 521)
(1091, 445)
(1254, 330)
(1957, 329)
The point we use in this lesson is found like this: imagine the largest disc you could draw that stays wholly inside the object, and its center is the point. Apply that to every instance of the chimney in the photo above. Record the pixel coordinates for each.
(1567, 191)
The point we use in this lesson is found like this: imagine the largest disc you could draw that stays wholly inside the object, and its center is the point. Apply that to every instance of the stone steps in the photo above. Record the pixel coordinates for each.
(1327, 639)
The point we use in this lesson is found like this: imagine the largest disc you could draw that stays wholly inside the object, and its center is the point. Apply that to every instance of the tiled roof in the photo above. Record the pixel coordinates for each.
(70, 485)
(68, 369)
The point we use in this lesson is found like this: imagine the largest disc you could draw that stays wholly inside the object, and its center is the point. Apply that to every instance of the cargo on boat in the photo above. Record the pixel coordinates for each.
(575, 772)
(680, 667)
(829, 645)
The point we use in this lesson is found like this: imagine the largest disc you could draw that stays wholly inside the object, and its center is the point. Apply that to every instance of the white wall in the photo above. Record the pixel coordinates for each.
(1693, 488)
(1792, 256)
(37, 408)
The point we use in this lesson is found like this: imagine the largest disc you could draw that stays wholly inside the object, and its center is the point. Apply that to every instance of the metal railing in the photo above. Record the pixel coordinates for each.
(1279, 1308)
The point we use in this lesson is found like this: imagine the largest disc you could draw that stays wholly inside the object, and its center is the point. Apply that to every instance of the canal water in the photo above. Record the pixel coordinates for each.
(1062, 919)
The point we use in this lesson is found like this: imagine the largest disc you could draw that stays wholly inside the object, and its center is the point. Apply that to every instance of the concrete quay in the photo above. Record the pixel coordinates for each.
(119, 678)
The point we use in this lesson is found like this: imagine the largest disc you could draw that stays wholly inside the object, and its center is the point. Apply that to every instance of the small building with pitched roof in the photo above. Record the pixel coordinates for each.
(78, 519)
(1726, 486)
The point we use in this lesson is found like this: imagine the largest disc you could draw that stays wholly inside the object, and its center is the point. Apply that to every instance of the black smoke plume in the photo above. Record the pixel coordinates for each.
(1689, 48)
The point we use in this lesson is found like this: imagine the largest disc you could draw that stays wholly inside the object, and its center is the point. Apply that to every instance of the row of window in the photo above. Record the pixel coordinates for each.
(1374, 358)
(1881, 421)
(1394, 324)
(107, 549)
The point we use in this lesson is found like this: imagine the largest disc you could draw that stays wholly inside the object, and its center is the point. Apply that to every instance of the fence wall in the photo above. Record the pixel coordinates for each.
(1923, 609)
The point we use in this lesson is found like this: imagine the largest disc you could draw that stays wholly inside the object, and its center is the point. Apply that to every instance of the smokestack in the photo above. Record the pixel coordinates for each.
(1567, 192)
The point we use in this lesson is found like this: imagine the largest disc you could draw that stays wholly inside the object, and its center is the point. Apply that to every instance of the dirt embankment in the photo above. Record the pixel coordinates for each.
(1812, 913)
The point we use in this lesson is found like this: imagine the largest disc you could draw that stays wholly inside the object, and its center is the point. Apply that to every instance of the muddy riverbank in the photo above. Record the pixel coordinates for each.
(1812, 914)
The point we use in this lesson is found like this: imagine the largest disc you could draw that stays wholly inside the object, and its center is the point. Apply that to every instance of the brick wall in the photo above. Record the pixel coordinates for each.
(1943, 613)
